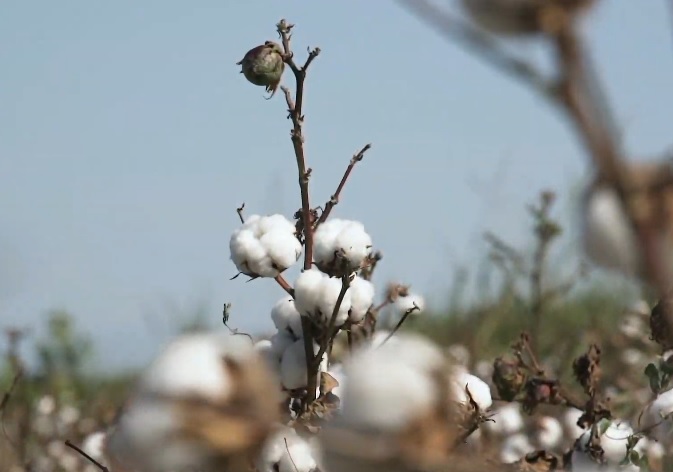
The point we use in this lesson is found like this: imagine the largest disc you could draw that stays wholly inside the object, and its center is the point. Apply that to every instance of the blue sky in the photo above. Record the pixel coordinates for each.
(128, 138)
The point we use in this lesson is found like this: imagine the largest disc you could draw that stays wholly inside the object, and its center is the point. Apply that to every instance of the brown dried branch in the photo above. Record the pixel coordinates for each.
(87, 456)
(295, 108)
(401, 322)
(8, 394)
(334, 200)
(239, 210)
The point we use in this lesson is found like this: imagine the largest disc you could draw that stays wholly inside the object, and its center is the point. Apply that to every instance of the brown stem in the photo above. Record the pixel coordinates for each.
(295, 107)
(334, 200)
(400, 323)
(87, 456)
(239, 210)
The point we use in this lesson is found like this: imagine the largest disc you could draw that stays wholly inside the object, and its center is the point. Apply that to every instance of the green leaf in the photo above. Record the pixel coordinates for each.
(603, 426)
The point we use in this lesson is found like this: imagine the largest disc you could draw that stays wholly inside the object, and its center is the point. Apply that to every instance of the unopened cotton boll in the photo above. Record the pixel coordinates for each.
(285, 316)
(362, 294)
(479, 390)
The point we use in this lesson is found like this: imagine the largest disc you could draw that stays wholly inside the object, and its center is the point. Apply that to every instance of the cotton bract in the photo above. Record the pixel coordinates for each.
(265, 246)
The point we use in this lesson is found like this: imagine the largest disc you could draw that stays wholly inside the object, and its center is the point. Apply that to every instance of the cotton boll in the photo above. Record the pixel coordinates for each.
(550, 433)
(389, 385)
(285, 316)
(145, 435)
(614, 441)
(280, 341)
(412, 301)
(245, 250)
(362, 298)
(271, 223)
(507, 420)
(480, 391)
(192, 365)
(293, 365)
(307, 291)
(355, 243)
(570, 419)
(283, 249)
(330, 290)
(94, 445)
(515, 447)
(661, 407)
(609, 240)
(46, 405)
(274, 448)
(324, 240)
(298, 457)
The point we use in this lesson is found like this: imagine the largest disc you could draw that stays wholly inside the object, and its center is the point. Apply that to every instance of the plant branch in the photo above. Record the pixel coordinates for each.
(8, 394)
(331, 327)
(87, 456)
(334, 200)
(401, 322)
(481, 44)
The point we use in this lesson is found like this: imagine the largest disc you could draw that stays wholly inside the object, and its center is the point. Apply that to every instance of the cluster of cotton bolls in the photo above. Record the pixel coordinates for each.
(265, 246)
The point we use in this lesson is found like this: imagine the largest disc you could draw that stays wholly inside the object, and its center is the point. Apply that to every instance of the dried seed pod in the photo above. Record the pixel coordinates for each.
(524, 17)
(509, 378)
(263, 66)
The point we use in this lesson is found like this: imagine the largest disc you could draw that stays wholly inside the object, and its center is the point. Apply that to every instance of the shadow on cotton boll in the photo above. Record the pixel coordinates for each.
(207, 402)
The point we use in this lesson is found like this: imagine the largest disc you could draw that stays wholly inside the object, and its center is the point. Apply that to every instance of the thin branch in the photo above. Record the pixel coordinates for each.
(478, 43)
(334, 200)
(400, 323)
(239, 210)
(331, 327)
(87, 456)
(295, 108)
(8, 394)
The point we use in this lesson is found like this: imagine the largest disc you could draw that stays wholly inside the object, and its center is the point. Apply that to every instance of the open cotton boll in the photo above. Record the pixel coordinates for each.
(570, 418)
(362, 298)
(299, 456)
(145, 436)
(480, 391)
(550, 433)
(412, 301)
(280, 341)
(330, 289)
(614, 441)
(180, 413)
(355, 243)
(608, 238)
(245, 249)
(293, 366)
(660, 407)
(507, 420)
(277, 222)
(285, 316)
(192, 365)
(390, 385)
(282, 247)
(324, 240)
(274, 448)
(94, 445)
(307, 289)
(515, 447)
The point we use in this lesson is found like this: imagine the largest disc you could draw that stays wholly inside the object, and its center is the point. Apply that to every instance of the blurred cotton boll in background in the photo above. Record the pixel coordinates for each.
(395, 398)
(286, 451)
(208, 401)
(265, 246)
